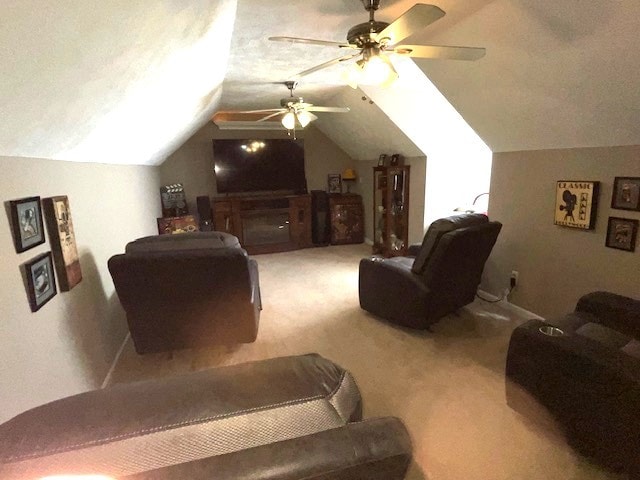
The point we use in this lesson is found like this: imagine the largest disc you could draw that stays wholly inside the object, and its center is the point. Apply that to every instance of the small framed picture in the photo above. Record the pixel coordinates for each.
(57, 217)
(41, 282)
(382, 160)
(334, 183)
(395, 160)
(626, 193)
(622, 233)
(26, 223)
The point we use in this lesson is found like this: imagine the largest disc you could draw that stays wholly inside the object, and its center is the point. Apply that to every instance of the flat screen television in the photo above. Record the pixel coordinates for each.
(259, 165)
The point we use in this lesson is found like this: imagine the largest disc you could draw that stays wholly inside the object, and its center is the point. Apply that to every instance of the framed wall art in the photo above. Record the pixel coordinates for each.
(622, 233)
(26, 223)
(334, 183)
(41, 281)
(626, 193)
(576, 203)
(63, 241)
(173, 225)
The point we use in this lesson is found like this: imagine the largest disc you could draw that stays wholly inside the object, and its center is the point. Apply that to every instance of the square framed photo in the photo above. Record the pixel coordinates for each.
(622, 233)
(576, 203)
(57, 216)
(334, 183)
(26, 223)
(41, 281)
(626, 193)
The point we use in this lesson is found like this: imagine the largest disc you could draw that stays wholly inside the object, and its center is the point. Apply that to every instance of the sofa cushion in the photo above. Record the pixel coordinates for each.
(134, 427)
(183, 241)
(437, 229)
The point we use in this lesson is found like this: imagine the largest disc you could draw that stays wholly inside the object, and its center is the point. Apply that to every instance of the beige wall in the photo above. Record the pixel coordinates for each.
(416, 196)
(69, 344)
(557, 264)
(192, 163)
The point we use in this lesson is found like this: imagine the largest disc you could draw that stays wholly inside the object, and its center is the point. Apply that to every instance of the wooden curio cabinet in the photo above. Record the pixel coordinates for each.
(390, 210)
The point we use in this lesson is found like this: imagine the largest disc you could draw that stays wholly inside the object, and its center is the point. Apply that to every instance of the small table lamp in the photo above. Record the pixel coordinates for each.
(349, 177)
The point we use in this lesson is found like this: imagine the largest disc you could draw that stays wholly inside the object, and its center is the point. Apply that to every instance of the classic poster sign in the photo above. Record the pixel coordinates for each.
(63, 241)
(576, 203)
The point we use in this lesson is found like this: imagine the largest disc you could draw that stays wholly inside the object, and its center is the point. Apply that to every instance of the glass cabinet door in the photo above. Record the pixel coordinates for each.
(390, 210)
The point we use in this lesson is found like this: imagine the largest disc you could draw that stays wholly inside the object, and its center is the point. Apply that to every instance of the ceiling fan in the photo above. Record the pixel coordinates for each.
(373, 40)
(294, 110)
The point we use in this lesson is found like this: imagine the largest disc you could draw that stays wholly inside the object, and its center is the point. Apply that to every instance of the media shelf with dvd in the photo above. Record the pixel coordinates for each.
(265, 224)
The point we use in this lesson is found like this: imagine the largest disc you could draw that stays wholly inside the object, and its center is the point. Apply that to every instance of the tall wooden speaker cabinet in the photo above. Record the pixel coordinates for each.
(390, 210)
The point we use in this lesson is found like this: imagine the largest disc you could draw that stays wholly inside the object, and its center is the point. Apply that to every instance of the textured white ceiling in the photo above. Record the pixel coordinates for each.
(128, 81)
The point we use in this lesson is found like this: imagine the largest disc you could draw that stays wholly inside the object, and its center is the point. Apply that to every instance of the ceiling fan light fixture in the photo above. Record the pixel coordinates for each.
(289, 120)
(303, 118)
(378, 71)
(353, 74)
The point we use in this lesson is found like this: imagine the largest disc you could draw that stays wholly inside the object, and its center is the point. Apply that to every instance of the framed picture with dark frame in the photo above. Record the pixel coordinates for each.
(41, 281)
(334, 183)
(382, 160)
(26, 223)
(622, 233)
(626, 193)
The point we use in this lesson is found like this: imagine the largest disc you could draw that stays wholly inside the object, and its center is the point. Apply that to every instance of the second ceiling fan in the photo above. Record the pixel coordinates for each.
(374, 39)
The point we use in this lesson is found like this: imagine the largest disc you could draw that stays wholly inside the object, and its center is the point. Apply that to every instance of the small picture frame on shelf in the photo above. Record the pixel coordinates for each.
(626, 193)
(334, 183)
(622, 233)
(41, 281)
(382, 160)
(26, 223)
(396, 160)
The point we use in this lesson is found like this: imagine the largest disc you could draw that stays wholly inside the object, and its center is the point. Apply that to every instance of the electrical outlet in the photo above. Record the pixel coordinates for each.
(514, 278)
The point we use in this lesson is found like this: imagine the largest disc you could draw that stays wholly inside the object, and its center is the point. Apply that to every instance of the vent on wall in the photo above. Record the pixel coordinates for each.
(245, 121)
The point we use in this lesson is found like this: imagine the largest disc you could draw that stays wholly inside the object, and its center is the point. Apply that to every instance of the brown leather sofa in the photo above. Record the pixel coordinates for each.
(281, 419)
(584, 368)
(440, 275)
(187, 290)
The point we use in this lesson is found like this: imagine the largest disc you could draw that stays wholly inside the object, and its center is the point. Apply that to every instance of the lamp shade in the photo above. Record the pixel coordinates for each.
(349, 174)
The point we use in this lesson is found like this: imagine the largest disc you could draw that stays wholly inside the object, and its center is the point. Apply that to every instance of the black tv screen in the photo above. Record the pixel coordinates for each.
(259, 165)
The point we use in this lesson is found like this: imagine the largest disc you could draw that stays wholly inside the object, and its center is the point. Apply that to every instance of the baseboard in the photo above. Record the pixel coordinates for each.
(506, 303)
(107, 379)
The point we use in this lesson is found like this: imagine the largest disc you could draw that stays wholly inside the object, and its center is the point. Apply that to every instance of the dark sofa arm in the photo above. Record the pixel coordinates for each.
(614, 311)
(376, 449)
(414, 249)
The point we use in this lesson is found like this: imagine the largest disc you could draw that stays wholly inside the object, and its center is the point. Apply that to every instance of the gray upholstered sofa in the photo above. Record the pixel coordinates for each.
(187, 290)
(281, 419)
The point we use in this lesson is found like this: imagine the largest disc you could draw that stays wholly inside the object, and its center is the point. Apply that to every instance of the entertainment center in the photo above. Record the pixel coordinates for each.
(265, 223)
(263, 200)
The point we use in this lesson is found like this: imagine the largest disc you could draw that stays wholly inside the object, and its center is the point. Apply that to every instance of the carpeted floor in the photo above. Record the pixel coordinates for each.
(447, 385)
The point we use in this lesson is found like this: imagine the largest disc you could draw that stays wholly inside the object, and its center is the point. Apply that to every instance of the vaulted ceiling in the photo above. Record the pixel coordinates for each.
(128, 82)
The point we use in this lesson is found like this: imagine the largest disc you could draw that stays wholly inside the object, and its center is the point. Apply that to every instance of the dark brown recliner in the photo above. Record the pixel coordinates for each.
(187, 290)
(285, 418)
(443, 276)
(584, 368)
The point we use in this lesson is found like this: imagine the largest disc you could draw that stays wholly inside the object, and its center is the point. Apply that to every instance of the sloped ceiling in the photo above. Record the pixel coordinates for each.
(127, 82)
(111, 81)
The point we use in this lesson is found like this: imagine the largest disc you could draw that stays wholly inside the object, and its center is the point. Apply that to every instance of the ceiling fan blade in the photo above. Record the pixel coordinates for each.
(329, 109)
(266, 110)
(441, 52)
(279, 112)
(312, 116)
(410, 22)
(311, 41)
(325, 65)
